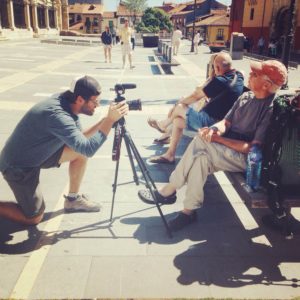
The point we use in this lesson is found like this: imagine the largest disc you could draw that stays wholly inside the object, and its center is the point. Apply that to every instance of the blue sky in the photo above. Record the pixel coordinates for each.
(111, 4)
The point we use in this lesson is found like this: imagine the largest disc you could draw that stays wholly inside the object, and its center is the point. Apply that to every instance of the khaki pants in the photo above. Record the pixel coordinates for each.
(199, 160)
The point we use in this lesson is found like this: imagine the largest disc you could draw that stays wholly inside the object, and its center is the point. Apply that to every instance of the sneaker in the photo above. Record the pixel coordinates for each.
(81, 204)
(182, 220)
(146, 197)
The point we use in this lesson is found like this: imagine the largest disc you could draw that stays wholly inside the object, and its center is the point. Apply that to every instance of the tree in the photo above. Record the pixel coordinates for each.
(154, 20)
(135, 7)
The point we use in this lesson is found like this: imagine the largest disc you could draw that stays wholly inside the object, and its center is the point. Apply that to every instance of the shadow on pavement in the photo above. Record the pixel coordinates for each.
(224, 253)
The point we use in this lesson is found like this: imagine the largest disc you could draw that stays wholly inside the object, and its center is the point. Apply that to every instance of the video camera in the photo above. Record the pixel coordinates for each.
(119, 126)
(120, 90)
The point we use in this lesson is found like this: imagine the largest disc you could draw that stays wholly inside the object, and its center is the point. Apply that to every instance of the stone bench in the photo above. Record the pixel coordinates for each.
(165, 57)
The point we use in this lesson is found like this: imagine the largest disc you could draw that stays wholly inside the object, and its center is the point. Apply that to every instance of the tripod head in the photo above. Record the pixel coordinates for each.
(119, 126)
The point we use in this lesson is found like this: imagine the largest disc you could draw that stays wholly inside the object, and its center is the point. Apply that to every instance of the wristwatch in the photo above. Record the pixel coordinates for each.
(214, 128)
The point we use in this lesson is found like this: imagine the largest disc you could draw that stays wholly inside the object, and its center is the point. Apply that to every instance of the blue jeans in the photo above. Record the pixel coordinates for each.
(196, 120)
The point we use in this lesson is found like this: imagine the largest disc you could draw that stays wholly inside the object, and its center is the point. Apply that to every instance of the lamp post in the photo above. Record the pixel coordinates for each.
(194, 20)
(288, 39)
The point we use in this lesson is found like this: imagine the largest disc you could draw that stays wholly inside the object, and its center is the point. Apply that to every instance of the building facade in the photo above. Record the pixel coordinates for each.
(213, 28)
(86, 17)
(183, 14)
(265, 18)
(32, 18)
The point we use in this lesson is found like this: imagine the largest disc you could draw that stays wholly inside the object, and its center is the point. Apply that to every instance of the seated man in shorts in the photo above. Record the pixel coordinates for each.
(223, 90)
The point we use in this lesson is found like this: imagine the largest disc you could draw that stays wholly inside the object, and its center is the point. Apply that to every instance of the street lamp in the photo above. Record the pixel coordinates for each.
(288, 39)
(192, 47)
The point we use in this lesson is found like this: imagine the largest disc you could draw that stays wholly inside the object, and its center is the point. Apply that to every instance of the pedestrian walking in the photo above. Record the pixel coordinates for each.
(261, 45)
(125, 37)
(176, 39)
(196, 41)
(106, 39)
(133, 38)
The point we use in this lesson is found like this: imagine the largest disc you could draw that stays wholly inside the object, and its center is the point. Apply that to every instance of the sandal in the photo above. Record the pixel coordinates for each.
(154, 124)
(161, 160)
(163, 141)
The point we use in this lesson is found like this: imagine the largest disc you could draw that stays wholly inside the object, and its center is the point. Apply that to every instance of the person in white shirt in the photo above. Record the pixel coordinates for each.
(125, 38)
(176, 38)
(196, 41)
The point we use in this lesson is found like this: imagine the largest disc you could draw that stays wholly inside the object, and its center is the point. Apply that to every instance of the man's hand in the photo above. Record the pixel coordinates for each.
(208, 134)
(117, 110)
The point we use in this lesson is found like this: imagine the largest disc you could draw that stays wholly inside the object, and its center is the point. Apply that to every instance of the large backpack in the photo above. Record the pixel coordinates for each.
(283, 130)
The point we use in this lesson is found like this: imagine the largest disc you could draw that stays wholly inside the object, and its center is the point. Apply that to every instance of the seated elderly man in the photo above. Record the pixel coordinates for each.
(223, 90)
(223, 146)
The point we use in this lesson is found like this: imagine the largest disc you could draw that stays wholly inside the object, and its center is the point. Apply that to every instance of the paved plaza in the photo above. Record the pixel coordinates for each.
(226, 254)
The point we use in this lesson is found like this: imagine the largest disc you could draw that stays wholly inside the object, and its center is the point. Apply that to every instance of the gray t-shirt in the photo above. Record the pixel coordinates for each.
(44, 129)
(250, 117)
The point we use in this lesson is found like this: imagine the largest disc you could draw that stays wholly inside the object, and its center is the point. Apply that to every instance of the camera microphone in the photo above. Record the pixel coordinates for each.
(125, 86)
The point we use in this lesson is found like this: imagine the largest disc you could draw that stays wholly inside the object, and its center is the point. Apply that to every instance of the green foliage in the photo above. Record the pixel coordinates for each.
(135, 6)
(154, 20)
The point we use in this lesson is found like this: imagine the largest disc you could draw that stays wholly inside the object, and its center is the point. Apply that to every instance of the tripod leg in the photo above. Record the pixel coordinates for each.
(139, 160)
(114, 185)
(126, 139)
(148, 180)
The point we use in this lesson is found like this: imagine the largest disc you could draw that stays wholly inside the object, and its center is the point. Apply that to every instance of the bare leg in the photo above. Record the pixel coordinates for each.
(163, 124)
(105, 54)
(77, 168)
(178, 126)
(166, 134)
(124, 60)
(109, 54)
(178, 116)
(130, 60)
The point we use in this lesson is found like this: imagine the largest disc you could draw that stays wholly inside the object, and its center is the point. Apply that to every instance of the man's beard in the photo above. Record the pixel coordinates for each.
(86, 111)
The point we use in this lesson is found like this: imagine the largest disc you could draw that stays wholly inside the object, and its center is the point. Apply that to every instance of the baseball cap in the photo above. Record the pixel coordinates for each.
(85, 87)
(274, 69)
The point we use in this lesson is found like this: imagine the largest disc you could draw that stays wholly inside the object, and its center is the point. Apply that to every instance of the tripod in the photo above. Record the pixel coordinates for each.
(122, 133)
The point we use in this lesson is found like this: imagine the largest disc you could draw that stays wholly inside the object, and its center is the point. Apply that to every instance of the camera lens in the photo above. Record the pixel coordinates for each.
(135, 104)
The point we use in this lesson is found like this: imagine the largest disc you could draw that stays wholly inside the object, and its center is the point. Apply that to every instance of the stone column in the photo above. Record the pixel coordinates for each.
(58, 14)
(65, 15)
(27, 15)
(47, 17)
(56, 20)
(11, 18)
(34, 16)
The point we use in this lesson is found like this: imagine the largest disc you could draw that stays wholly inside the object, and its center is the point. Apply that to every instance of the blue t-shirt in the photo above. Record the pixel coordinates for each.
(223, 91)
(44, 129)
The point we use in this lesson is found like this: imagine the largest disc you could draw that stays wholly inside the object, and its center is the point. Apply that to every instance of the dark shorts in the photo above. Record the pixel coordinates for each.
(24, 183)
(196, 120)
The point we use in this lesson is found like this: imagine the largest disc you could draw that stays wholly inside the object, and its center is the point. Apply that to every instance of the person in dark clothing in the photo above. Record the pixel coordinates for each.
(223, 90)
(106, 39)
(48, 135)
(224, 146)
